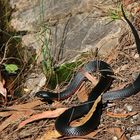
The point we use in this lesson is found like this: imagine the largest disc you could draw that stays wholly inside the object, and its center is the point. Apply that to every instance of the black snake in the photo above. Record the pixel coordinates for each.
(63, 121)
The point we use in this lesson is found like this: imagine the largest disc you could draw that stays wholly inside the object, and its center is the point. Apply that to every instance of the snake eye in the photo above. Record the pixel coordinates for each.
(42, 94)
(38, 94)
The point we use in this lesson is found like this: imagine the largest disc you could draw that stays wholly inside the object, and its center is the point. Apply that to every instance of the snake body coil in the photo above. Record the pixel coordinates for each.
(63, 121)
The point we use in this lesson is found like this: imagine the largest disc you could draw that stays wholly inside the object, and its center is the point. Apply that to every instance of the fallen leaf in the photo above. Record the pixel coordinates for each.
(82, 93)
(20, 111)
(46, 114)
(95, 132)
(6, 114)
(90, 77)
(118, 133)
(50, 135)
(84, 119)
(26, 106)
(127, 2)
(15, 117)
(119, 115)
(3, 90)
(92, 110)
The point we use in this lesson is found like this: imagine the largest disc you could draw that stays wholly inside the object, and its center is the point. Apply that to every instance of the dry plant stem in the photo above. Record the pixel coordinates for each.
(5, 51)
(40, 128)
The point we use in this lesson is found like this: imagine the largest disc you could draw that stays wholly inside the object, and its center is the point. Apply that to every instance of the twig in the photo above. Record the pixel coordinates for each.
(5, 51)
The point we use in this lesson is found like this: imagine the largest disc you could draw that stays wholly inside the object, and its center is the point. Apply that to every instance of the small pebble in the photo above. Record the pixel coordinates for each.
(132, 121)
(135, 75)
(128, 136)
(136, 137)
(136, 56)
(110, 105)
(128, 107)
(114, 138)
(116, 110)
(135, 117)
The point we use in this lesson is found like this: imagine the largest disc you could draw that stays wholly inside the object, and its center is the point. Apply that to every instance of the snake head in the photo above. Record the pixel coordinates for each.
(45, 95)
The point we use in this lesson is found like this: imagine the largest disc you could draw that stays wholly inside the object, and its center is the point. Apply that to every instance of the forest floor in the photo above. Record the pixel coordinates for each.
(119, 120)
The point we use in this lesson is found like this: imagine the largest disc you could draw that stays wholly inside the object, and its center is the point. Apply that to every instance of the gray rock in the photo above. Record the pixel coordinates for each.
(128, 107)
(114, 138)
(136, 117)
(73, 26)
(34, 82)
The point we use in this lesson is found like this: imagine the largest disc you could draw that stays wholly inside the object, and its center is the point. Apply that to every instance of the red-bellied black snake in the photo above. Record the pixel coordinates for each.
(63, 121)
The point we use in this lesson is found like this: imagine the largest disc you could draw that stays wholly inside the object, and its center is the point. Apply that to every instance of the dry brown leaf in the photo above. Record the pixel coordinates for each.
(92, 110)
(3, 90)
(20, 111)
(87, 116)
(50, 135)
(26, 106)
(119, 115)
(6, 113)
(94, 133)
(90, 77)
(15, 117)
(82, 93)
(118, 133)
(127, 2)
(46, 114)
